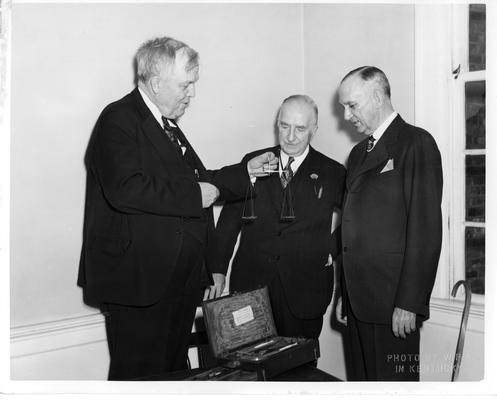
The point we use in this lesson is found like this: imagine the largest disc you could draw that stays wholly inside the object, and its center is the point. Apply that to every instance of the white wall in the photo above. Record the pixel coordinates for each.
(69, 61)
(339, 39)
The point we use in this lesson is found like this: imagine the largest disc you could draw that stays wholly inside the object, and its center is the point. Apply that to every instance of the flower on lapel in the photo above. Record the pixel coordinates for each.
(315, 180)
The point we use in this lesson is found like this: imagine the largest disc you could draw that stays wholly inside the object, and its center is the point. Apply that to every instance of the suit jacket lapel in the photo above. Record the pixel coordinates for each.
(297, 185)
(355, 160)
(379, 155)
(302, 173)
(375, 157)
(154, 132)
(198, 163)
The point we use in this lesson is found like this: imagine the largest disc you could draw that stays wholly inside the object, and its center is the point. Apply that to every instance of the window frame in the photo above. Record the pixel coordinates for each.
(458, 151)
(435, 47)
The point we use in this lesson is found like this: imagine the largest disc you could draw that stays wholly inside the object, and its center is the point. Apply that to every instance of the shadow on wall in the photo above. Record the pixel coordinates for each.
(337, 326)
(275, 128)
(344, 127)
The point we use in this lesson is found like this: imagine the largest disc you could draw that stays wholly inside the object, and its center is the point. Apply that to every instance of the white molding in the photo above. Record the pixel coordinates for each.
(5, 170)
(50, 336)
(43, 328)
(456, 306)
(432, 63)
(448, 313)
(56, 335)
(35, 347)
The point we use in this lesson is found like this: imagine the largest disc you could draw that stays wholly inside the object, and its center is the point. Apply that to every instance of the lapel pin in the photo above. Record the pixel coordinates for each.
(317, 192)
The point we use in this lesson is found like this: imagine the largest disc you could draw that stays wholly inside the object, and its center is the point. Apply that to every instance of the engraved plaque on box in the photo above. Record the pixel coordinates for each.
(238, 320)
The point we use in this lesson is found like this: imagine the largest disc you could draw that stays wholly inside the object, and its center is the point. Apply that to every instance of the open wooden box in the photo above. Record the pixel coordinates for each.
(242, 334)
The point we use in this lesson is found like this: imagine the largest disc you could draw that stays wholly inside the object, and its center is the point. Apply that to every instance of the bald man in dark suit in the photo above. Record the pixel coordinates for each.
(293, 258)
(391, 231)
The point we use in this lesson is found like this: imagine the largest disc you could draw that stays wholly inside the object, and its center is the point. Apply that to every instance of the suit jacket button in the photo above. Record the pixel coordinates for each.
(345, 249)
(278, 234)
(276, 258)
(179, 231)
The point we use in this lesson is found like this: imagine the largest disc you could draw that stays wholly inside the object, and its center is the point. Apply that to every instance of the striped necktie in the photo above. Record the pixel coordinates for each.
(287, 173)
(171, 134)
(370, 145)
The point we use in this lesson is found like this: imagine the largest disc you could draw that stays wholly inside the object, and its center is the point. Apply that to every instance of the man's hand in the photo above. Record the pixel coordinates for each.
(210, 193)
(329, 262)
(338, 312)
(262, 164)
(215, 290)
(403, 322)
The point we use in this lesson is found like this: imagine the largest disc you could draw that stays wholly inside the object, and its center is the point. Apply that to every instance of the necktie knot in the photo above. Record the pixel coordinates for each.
(171, 134)
(371, 141)
(167, 125)
(287, 173)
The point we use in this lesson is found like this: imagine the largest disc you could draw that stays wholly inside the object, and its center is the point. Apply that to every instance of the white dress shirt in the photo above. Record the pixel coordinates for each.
(158, 115)
(378, 133)
(296, 163)
(284, 161)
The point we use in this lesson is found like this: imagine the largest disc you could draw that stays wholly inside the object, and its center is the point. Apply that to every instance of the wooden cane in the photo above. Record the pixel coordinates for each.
(462, 328)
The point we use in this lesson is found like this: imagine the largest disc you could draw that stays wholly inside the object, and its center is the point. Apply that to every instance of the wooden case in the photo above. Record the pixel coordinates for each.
(242, 334)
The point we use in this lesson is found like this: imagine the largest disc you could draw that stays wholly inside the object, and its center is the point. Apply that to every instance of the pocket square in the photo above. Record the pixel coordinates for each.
(388, 166)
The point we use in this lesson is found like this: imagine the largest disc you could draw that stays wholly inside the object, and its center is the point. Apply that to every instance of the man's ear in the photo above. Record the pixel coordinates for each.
(155, 84)
(378, 97)
(314, 130)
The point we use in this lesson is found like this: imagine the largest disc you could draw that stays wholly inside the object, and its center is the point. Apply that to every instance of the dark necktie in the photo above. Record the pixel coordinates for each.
(173, 132)
(287, 173)
(370, 145)
(172, 135)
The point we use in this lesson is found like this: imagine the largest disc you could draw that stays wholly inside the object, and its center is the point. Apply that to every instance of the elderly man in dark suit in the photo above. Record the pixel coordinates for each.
(148, 217)
(293, 258)
(391, 231)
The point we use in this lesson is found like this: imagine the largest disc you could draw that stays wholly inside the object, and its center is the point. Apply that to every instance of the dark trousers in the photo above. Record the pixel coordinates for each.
(287, 324)
(377, 355)
(151, 340)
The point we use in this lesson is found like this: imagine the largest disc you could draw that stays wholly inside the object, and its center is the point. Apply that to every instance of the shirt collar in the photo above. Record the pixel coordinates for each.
(297, 160)
(378, 133)
(154, 109)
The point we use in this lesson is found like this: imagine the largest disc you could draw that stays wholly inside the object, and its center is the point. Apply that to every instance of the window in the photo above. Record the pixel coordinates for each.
(467, 218)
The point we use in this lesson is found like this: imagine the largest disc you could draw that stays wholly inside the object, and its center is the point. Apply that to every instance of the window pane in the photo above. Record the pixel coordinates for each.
(475, 259)
(475, 114)
(475, 188)
(477, 37)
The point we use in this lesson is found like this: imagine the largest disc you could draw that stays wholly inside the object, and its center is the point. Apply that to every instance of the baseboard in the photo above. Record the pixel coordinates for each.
(56, 335)
(76, 348)
(448, 313)
(67, 349)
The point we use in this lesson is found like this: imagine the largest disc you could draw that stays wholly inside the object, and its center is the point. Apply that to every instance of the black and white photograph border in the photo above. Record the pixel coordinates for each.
(62, 61)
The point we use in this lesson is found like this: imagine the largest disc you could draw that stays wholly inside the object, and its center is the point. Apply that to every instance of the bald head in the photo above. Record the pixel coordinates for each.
(302, 100)
(373, 75)
(365, 95)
